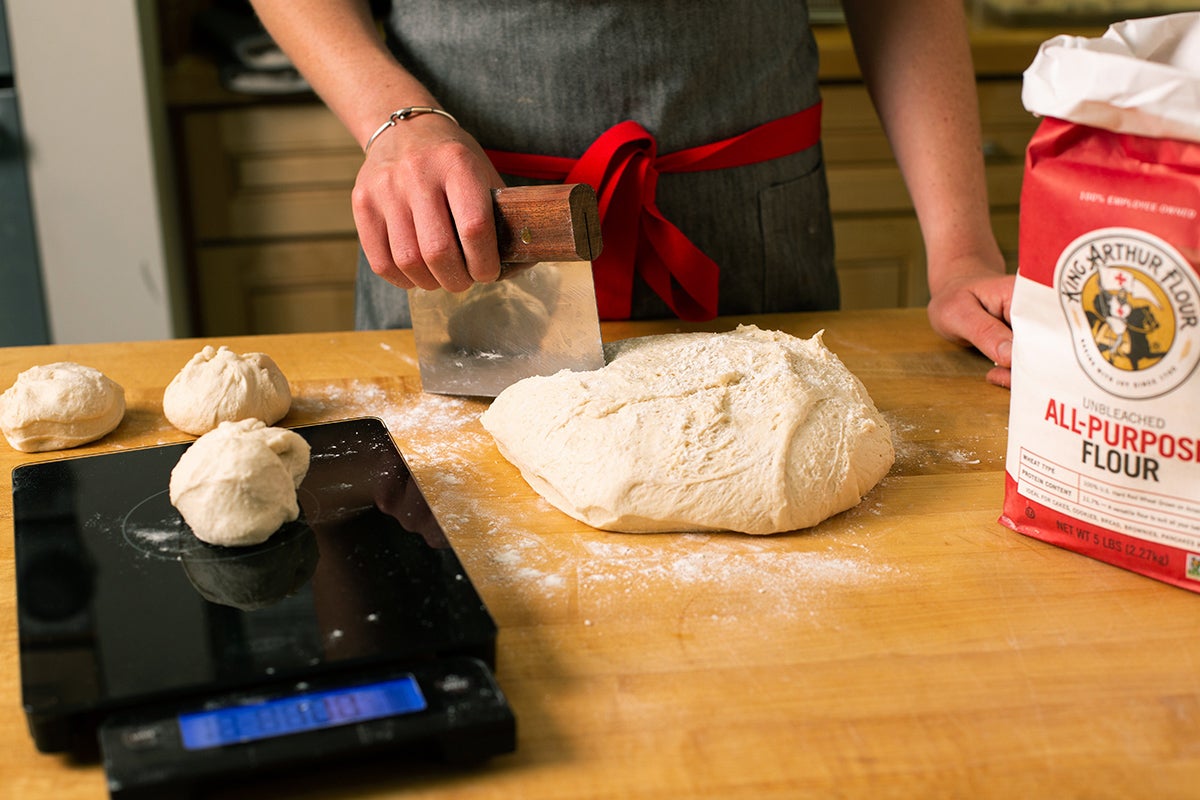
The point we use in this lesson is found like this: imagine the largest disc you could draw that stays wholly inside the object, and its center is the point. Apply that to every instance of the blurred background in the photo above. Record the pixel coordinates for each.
(165, 173)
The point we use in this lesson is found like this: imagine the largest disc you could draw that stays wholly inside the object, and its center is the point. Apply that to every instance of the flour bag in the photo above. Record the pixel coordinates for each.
(1104, 431)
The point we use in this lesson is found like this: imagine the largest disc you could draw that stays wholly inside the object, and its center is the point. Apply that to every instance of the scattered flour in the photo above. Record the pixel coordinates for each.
(915, 455)
(960, 456)
(787, 575)
(449, 419)
(500, 545)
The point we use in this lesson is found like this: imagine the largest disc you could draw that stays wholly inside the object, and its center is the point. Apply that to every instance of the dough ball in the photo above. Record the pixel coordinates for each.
(753, 431)
(236, 485)
(218, 385)
(501, 318)
(60, 405)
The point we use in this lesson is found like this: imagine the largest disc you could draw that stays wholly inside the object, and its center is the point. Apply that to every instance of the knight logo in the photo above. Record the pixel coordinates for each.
(1133, 305)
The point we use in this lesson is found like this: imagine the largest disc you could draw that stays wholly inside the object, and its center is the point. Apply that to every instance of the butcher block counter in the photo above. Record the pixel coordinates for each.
(909, 647)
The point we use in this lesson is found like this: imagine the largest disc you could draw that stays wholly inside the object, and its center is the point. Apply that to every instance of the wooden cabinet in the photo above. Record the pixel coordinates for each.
(880, 254)
(272, 236)
(271, 240)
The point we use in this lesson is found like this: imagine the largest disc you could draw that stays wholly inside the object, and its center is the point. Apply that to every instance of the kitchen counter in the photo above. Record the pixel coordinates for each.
(909, 647)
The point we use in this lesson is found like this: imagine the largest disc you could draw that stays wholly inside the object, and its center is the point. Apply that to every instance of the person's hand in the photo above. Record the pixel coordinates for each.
(422, 205)
(974, 309)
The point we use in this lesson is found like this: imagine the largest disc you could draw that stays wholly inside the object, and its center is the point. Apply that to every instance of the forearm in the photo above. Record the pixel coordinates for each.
(916, 60)
(337, 47)
(421, 200)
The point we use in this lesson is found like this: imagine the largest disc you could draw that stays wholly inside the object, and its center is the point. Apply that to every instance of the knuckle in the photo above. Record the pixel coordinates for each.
(407, 260)
(379, 268)
(475, 226)
(440, 250)
(454, 150)
(360, 199)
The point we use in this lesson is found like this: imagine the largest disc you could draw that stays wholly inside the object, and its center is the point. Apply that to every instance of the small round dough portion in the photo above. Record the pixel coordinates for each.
(218, 385)
(236, 485)
(752, 431)
(60, 405)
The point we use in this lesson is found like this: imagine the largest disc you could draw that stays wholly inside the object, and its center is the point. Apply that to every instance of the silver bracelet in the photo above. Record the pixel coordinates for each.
(403, 114)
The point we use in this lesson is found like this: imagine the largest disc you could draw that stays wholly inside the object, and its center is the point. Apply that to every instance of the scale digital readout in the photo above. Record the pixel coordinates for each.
(352, 631)
(305, 711)
(450, 709)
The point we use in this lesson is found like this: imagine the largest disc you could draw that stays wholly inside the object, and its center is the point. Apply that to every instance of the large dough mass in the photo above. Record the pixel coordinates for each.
(236, 485)
(753, 431)
(60, 405)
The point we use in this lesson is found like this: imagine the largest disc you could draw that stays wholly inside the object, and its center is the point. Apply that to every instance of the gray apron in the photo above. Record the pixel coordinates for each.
(548, 77)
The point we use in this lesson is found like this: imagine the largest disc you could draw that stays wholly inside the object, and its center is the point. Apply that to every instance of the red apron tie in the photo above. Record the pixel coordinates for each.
(623, 166)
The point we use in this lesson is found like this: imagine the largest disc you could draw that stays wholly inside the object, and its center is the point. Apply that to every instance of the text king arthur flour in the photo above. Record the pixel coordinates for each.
(1104, 431)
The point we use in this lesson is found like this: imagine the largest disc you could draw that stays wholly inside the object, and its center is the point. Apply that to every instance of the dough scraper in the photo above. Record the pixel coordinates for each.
(540, 317)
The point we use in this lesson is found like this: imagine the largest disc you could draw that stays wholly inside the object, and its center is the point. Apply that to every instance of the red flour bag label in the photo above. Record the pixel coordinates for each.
(1104, 431)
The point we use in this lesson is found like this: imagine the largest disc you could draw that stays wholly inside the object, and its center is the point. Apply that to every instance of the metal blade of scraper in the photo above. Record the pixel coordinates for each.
(538, 319)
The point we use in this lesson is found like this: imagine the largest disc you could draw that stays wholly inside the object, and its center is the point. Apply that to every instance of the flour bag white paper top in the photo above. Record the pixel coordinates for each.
(1141, 77)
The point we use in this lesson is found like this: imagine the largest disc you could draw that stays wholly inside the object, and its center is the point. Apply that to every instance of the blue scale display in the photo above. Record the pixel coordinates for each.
(298, 713)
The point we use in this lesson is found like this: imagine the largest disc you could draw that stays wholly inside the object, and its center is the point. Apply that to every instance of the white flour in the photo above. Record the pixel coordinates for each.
(922, 456)
(515, 539)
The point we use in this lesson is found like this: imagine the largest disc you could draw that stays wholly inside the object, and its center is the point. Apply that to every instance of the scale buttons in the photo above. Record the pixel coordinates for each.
(454, 684)
(143, 737)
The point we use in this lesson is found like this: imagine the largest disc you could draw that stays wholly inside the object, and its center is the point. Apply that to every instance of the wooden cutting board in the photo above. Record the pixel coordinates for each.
(910, 647)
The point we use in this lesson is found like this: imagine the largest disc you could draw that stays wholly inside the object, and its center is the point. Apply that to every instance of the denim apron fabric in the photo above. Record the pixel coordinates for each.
(544, 76)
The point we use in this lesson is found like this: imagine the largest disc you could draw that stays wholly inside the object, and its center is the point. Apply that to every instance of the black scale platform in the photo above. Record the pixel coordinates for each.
(353, 629)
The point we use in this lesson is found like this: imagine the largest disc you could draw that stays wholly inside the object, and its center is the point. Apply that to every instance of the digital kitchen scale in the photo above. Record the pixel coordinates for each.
(351, 631)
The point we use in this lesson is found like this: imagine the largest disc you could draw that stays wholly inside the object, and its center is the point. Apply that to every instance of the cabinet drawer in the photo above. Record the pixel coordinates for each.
(881, 258)
(873, 189)
(274, 171)
(880, 262)
(863, 176)
(283, 287)
(853, 134)
(1006, 126)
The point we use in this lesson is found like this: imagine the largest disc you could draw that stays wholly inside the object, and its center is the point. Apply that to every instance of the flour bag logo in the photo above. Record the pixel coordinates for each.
(1133, 305)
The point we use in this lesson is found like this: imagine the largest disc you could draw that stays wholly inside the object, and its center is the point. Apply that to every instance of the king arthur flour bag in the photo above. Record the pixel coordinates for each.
(1104, 431)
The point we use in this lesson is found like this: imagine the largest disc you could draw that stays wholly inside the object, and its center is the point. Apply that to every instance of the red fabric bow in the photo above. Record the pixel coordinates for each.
(623, 166)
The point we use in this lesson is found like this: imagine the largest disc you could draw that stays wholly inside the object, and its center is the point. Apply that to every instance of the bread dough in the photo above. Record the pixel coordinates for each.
(60, 405)
(753, 431)
(218, 385)
(236, 485)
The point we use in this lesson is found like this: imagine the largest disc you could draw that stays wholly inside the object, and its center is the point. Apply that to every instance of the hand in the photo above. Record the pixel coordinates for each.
(974, 308)
(422, 205)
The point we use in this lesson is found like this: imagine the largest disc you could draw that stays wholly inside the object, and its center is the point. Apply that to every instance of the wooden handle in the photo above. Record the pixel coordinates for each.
(559, 222)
